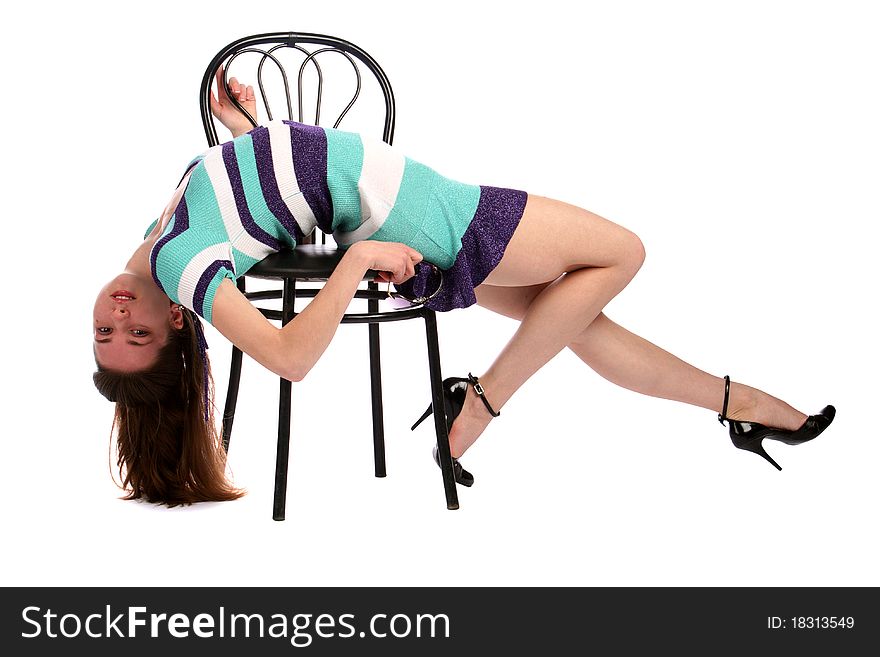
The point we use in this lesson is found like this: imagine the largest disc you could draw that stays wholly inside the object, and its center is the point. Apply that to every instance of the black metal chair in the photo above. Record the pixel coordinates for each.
(316, 262)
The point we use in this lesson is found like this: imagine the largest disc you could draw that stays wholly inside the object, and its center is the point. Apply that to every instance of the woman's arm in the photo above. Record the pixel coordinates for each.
(293, 350)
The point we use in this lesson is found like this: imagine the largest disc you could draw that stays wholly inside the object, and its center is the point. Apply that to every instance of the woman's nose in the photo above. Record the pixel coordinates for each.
(120, 310)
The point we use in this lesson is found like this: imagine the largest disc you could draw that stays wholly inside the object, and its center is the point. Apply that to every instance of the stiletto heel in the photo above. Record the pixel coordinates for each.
(454, 393)
(421, 419)
(750, 435)
(756, 447)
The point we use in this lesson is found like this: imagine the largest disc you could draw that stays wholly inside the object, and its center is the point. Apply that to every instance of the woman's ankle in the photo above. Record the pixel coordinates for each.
(749, 404)
(743, 403)
(469, 425)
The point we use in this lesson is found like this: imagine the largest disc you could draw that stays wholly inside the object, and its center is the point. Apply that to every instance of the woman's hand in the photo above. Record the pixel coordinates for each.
(224, 109)
(394, 261)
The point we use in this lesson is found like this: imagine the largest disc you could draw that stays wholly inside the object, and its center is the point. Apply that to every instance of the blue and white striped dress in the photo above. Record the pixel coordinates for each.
(264, 190)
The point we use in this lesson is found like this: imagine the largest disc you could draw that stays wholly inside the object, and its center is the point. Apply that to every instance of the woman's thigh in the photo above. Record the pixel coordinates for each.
(511, 302)
(514, 302)
(554, 237)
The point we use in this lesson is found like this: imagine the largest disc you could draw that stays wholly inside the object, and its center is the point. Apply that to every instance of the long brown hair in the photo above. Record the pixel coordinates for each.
(168, 450)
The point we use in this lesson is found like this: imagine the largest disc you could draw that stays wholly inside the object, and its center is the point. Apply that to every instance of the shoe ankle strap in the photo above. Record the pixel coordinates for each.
(475, 382)
(723, 414)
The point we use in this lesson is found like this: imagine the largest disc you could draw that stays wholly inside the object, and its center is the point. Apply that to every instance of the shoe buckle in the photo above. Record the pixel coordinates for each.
(478, 388)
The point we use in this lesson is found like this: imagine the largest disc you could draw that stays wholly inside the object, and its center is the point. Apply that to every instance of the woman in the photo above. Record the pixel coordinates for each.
(498, 248)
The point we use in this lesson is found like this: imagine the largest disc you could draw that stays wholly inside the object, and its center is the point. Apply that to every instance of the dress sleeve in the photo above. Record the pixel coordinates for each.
(205, 287)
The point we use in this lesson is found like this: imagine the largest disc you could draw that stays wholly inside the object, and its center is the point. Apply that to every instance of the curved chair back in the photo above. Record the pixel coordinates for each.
(289, 70)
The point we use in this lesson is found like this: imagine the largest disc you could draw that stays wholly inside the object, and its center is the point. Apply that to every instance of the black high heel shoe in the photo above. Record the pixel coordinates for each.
(749, 435)
(454, 393)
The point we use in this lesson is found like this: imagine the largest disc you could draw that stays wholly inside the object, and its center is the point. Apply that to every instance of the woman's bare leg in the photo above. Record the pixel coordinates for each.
(586, 259)
(563, 265)
(632, 362)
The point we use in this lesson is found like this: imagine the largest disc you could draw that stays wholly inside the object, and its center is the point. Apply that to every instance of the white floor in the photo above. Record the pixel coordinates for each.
(740, 145)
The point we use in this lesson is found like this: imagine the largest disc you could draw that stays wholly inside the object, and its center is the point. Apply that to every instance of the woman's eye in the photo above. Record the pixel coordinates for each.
(103, 330)
(139, 333)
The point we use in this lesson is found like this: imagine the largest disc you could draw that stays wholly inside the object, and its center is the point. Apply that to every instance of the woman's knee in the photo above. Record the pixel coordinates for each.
(609, 244)
(634, 253)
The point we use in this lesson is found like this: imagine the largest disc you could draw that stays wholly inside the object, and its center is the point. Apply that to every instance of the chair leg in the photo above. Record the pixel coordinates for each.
(232, 388)
(231, 396)
(376, 387)
(440, 417)
(282, 456)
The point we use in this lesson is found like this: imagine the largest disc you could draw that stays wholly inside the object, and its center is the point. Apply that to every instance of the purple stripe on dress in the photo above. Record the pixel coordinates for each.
(204, 280)
(309, 146)
(244, 212)
(482, 247)
(181, 223)
(269, 185)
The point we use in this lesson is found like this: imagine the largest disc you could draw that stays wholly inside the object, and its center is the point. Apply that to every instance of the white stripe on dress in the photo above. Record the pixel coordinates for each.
(238, 235)
(285, 176)
(189, 279)
(379, 183)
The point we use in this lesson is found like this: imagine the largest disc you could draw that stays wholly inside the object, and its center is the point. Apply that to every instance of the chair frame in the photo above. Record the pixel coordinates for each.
(273, 267)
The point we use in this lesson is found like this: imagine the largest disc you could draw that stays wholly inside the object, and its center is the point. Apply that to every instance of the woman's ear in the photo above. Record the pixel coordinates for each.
(176, 315)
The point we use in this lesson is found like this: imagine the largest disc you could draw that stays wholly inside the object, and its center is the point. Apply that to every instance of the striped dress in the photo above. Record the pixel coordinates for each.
(264, 190)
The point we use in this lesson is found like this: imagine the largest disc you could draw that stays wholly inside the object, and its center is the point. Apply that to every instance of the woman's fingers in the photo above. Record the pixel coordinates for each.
(394, 261)
(411, 258)
(242, 92)
(405, 271)
(245, 94)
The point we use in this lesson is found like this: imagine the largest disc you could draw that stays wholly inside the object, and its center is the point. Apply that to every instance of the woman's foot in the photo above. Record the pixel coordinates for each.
(470, 424)
(749, 404)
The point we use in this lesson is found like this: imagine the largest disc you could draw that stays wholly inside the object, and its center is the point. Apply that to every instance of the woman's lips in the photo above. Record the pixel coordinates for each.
(122, 296)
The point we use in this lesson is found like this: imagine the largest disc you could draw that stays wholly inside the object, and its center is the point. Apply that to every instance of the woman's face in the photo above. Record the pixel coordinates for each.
(132, 320)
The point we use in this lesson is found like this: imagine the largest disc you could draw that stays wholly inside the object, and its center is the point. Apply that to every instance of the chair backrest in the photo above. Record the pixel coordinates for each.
(263, 60)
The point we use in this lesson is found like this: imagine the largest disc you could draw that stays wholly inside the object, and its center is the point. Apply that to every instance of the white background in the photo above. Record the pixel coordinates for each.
(739, 140)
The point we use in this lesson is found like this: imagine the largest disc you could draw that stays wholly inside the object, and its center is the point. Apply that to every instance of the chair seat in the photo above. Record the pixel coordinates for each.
(305, 262)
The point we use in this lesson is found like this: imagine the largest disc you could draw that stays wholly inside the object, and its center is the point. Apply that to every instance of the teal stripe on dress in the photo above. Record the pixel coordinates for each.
(201, 202)
(345, 159)
(406, 216)
(250, 182)
(243, 262)
(177, 253)
(196, 159)
(450, 211)
(430, 214)
(165, 264)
